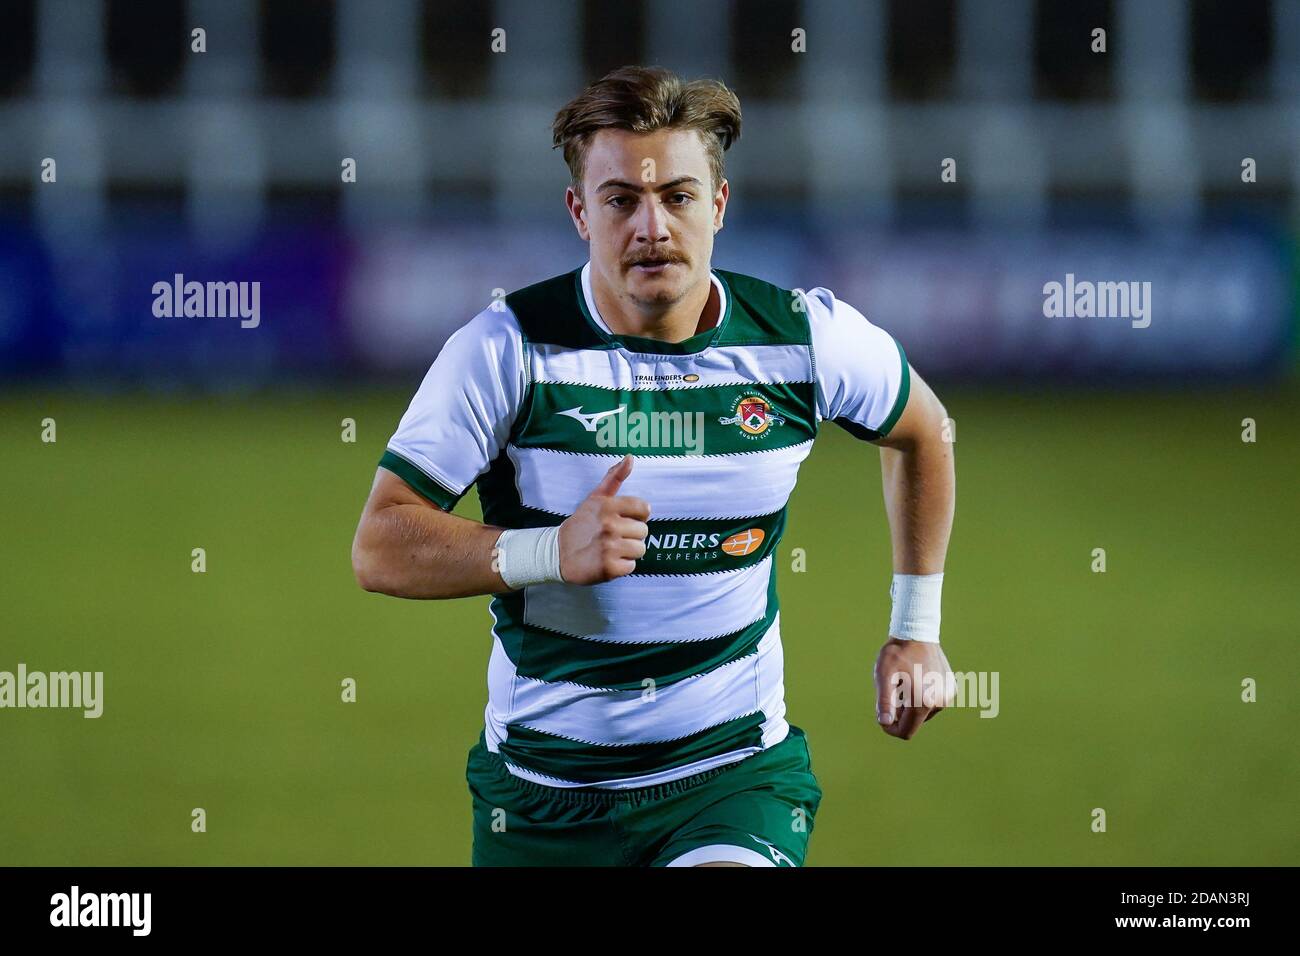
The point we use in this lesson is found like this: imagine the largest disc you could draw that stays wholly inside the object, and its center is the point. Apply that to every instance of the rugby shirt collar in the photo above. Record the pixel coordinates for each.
(635, 343)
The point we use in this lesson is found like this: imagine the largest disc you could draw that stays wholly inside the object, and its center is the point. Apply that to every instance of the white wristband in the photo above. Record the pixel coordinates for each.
(915, 614)
(529, 556)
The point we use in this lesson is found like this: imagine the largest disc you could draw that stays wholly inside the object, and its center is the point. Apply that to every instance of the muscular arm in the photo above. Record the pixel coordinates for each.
(920, 483)
(408, 547)
(920, 486)
(860, 381)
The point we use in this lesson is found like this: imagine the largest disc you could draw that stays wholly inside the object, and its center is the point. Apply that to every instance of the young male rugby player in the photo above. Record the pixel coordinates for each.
(635, 428)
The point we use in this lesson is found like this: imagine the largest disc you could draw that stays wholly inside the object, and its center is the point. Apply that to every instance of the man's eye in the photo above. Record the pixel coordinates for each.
(686, 196)
(616, 200)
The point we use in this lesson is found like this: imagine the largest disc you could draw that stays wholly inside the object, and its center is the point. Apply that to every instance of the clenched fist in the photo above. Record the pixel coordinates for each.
(603, 538)
(913, 683)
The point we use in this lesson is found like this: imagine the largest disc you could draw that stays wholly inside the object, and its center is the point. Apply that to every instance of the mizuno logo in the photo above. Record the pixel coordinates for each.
(590, 419)
(777, 855)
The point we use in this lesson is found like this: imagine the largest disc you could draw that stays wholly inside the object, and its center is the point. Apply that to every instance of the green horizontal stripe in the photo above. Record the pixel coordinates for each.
(593, 763)
(427, 486)
(673, 545)
(673, 421)
(542, 654)
(694, 545)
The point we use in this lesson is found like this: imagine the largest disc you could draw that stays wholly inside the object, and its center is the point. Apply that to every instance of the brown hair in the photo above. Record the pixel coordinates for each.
(644, 99)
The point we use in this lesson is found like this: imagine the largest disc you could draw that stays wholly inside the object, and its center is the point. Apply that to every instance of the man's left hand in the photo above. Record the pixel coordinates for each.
(913, 683)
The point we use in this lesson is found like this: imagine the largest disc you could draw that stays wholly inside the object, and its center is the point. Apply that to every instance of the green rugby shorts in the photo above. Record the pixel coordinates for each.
(758, 811)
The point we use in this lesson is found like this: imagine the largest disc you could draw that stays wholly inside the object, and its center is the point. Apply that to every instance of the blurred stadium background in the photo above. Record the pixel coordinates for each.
(1118, 690)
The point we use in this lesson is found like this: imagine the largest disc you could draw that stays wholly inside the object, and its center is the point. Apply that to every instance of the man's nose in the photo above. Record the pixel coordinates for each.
(651, 221)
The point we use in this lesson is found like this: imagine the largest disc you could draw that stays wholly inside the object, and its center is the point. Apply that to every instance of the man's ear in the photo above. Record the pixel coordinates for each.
(720, 206)
(573, 202)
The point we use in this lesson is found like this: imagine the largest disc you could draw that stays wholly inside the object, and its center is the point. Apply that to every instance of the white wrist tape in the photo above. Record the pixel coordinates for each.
(529, 556)
(915, 615)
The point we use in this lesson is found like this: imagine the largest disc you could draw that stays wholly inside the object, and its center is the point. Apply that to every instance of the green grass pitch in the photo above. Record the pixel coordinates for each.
(1119, 690)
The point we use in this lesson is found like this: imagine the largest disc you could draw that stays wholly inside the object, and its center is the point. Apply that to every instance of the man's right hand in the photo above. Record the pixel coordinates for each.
(603, 538)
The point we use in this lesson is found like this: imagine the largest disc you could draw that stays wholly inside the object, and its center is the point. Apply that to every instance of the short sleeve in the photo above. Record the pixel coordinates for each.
(861, 371)
(462, 413)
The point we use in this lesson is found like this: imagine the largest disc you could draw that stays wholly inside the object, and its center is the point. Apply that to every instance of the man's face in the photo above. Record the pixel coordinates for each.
(649, 212)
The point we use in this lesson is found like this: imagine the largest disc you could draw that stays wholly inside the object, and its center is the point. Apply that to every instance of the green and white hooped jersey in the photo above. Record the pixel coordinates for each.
(676, 668)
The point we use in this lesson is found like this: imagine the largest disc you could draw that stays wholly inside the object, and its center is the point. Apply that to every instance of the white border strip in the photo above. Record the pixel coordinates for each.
(645, 780)
(732, 485)
(721, 853)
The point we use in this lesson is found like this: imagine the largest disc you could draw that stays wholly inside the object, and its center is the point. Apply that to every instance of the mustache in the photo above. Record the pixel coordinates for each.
(656, 259)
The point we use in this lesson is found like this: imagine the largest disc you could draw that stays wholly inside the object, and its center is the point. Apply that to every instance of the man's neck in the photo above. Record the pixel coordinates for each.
(698, 311)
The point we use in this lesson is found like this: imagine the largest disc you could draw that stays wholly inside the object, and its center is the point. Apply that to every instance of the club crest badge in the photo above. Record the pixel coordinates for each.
(754, 414)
